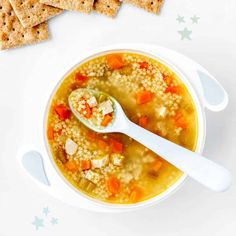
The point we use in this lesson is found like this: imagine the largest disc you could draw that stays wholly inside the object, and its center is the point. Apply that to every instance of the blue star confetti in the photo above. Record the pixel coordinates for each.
(185, 33)
(195, 19)
(38, 222)
(45, 221)
(46, 211)
(54, 221)
(180, 19)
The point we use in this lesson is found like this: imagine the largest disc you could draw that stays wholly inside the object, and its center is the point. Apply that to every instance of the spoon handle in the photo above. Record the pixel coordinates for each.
(203, 170)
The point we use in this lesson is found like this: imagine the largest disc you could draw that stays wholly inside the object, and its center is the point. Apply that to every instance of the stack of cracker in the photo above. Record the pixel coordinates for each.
(25, 21)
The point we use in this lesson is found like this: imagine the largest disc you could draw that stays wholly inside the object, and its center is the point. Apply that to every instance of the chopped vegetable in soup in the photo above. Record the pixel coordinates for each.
(113, 167)
(98, 110)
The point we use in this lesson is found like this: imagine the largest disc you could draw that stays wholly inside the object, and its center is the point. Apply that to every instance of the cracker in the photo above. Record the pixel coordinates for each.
(85, 6)
(153, 6)
(107, 7)
(32, 12)
(12, 33)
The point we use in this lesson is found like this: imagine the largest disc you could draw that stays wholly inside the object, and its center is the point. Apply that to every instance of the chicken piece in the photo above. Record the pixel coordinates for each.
(162, 111)
(92, 102)
(117, 159)
(70, 147)
(106, 107)
(101, 162)
(92, 176)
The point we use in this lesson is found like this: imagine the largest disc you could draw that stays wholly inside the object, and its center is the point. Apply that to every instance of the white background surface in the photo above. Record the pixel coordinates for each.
(193, 210)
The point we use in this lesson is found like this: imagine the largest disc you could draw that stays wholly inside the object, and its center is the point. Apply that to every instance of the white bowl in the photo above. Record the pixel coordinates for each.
(204, 89)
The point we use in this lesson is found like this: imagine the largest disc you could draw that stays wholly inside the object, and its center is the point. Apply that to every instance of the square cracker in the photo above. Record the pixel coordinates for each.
(85, 6)
(32, 12)
(107, 7)
(153, 6)
(12, 33)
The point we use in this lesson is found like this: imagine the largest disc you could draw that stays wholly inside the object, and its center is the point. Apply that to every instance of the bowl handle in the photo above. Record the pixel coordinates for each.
(32, 162)
(214, 96)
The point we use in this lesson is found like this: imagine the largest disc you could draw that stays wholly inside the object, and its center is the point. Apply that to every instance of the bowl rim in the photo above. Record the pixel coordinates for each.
(199, 110)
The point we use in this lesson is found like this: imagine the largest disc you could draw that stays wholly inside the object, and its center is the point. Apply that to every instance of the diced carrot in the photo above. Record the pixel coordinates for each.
(143, 97)
(87, 110)
(50, 133)
(59, 132)
(74, 86)
(135, 195)
(168, 80)
(143, 65)
(106, 120)
(154, 167)
(116, 146)
(92, 136)
(85, 164)
(102, 144)
(173, 89)
(62, 111)
(180, 121)
(177, 115)
(71, 165)
(80, 78)
(115, 61)
(113, 185)
(143, 121)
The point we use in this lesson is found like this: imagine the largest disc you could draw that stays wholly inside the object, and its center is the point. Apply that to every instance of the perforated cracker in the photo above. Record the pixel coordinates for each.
(153, 6)
(32, 12)
(107, 7)
(12, 33)
(85, 6)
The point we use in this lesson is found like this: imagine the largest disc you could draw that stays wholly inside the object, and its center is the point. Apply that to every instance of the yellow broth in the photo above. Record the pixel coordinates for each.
(113, 167)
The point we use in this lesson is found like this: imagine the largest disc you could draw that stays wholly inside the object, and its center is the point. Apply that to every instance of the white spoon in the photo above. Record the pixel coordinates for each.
(203, 170)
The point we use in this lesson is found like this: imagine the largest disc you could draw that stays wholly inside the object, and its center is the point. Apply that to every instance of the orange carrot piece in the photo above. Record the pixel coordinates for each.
(59, 131)
(92, 136)
(85, 164)
(154, 168)
(106, 120)
(80, 78)
(102, 144)
(173, 89)
(88, 111)
(143, 65)
(50, 133)
(143, 121)
(135, 195)
(71, 165)
(177, 116)
(62, 111)
(113, 185)
(143, 97)
(156, 165)
(116, 146)
(115, 61)
(168, 80)
(180, 121)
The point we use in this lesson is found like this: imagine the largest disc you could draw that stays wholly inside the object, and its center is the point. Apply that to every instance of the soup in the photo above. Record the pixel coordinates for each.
(96, 109)
(113, 167)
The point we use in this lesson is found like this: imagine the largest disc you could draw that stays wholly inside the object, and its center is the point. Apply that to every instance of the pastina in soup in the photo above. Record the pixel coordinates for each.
(113, 167)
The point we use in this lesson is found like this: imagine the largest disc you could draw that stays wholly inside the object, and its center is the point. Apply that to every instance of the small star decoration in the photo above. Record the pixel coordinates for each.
(180, 19)
(38, 222)
(46, 211)
(54, 221)
(195, 19)
(185, 33)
